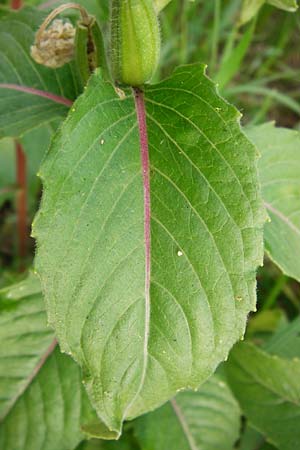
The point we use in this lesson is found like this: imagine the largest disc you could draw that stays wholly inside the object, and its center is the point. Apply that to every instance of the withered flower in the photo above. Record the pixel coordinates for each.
(54, 46)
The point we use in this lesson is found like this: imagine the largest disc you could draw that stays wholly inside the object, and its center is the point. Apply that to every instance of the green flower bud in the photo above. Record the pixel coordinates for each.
(135, 41)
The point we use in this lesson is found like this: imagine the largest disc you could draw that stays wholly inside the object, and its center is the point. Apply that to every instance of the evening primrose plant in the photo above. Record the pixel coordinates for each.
(155, 214)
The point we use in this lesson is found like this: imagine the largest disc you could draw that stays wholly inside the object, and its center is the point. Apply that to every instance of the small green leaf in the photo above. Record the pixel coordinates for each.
(208, 419)
(138, 348)
(286, 341)
(249, 9)
(42, 402)
(30, 94)
(268, 390)
(232, 65)
(287, 5)
(279, 169)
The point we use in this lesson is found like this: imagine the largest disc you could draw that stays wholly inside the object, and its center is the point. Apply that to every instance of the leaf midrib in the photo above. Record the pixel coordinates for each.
(282, 217)
(184, 425)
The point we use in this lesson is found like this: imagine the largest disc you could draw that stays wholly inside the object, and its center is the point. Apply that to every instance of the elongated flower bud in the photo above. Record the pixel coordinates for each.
(135, 41)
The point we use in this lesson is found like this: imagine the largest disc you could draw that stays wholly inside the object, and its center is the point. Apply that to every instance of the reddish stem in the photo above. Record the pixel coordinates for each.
(21, 203)
(16, 4)
(141, 116)
(21, 200)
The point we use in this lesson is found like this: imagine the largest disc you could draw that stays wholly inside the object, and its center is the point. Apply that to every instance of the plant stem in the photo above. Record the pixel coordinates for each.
(21, 203)
(215, 36)
(16, 4)
(21, 198)
(86, 19)
(275, 292)
(183, 32)
(141, 116)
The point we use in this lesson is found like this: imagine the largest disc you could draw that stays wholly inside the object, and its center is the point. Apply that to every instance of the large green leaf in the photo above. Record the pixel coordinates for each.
(268, 389)
(279, 170)
(137, 348)
(22, 111)
(42, 402)
(208, 419)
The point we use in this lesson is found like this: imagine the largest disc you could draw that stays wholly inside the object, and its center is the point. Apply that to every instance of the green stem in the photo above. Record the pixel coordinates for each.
(272, 297)
(183, 32)
(215, 36)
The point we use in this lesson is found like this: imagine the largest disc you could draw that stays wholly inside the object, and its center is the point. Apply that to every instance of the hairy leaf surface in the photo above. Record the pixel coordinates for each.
(137, 348)
(42, 402)
(279, 170)
(22, 111)
(268, 389)
(208, 419)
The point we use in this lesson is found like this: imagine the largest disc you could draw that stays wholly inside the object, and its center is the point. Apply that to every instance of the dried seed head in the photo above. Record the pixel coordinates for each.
(55, 45)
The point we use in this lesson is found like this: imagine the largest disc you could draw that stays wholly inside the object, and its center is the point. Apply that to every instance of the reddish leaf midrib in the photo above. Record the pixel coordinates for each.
(29, 90)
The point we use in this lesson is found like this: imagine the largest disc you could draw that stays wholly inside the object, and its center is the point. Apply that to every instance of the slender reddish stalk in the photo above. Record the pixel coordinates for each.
(16, 4)
(141, 116)
(21, 200)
